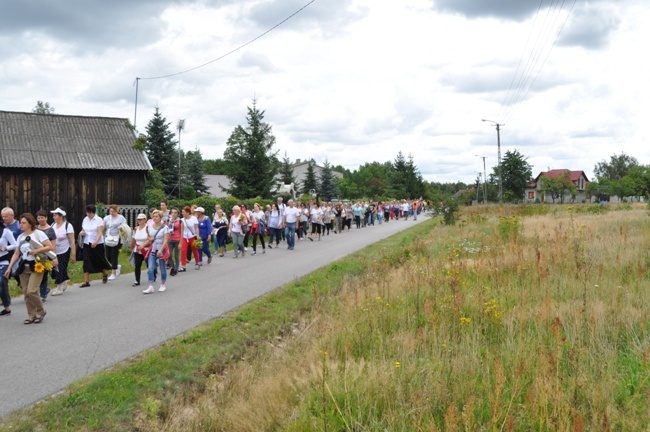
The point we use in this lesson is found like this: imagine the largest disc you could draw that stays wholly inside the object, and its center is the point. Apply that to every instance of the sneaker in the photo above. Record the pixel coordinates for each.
(245, 249)
(43, 299)
(57, 292)
(210, 260)
(263, 251)
(182, 269)
(119, 270)
(254, 253)
(135, 284)
(149, 290)
(64, 285)
(173, 272)
(270, 246)
(162, 288)
(197, 267)
(112, 277)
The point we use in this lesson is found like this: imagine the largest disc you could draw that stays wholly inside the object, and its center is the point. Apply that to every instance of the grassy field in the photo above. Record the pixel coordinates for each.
(518, 318)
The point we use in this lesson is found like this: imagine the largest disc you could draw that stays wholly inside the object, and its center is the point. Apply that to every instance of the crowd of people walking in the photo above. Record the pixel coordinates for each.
(32, 251)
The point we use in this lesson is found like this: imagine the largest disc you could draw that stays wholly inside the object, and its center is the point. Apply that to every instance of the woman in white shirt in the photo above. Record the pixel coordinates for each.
(158, 238)
(7, 246)
(113, 223)
(316, 217)
(65, 250)
(190, 233)
(235, 231)
(139, 239)
(31, 277)
(94, 256)
(258, 228)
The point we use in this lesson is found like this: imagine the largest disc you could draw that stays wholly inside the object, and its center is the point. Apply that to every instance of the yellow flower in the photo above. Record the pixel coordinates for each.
(39, 268)
(48, 265)
(398, 365)
(465, 320)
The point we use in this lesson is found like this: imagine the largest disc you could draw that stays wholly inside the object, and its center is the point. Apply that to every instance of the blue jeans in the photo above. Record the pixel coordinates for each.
(205, 249)
(290, 233)
(153, 263)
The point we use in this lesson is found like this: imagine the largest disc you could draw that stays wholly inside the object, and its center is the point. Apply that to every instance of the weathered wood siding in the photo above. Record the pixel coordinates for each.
(28, 190)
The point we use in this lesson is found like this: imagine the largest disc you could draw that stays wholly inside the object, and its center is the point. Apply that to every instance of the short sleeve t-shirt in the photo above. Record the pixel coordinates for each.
(291, 214)
(26, 247)
(62, 242)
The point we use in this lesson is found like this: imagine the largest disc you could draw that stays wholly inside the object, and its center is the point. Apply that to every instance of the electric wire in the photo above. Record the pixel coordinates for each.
(233, 50)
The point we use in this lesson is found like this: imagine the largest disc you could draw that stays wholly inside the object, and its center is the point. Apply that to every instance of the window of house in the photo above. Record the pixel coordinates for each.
(531, 195)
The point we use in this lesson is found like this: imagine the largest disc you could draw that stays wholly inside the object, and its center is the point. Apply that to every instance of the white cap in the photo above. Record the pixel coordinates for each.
(59, 211)
(200, 209)
(141, 216)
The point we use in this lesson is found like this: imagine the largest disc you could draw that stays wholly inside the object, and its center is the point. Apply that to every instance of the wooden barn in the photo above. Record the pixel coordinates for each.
(51, 160)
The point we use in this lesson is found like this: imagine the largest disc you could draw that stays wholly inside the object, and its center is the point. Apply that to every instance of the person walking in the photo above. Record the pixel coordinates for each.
(139, 239)
(113, 223)
(220, 230)
(66, 250)
(32, 270)
(235, 231)
(258, 227)
(275, 226)
(316, 219)
(175, 225)
(94, 257)
(205, 230)
(189, 236)
(7, 246)
(42, 225)
(290, 218)
(158, 252)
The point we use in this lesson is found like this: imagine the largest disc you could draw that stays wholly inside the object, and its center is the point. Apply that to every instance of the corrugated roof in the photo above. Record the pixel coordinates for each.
(29, 140)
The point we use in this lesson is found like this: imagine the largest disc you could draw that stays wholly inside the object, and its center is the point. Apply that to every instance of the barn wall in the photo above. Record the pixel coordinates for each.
(28, 190)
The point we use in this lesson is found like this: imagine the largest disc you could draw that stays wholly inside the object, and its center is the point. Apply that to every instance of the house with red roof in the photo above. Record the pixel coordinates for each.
(535, 191)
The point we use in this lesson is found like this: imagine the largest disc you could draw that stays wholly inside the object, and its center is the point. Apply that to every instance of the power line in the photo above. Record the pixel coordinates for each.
(137, 79)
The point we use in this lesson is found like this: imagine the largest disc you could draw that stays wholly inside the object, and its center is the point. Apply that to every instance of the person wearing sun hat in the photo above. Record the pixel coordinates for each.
(65, 249)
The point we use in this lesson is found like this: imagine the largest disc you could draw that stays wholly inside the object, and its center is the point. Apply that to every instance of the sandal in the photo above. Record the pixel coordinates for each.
(29, 321)
(84, 285)
(38, 320)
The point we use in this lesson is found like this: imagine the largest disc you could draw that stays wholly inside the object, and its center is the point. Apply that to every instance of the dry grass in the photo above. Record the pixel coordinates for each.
(511, 323)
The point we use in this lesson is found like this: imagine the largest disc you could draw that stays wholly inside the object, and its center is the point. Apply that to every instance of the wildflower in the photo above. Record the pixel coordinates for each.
(39, 267)
(465, 320)
(398, 365)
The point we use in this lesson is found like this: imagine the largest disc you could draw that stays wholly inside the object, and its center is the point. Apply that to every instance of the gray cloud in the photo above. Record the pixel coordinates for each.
(509, 9)
(590, 27)
(86, 25)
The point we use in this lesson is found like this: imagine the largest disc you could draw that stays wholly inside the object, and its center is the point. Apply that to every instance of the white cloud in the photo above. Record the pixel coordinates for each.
(351, 81)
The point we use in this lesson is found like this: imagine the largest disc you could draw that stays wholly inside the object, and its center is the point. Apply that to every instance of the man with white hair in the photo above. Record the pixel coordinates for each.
(289, 220)
(10, 222)
(281, 208)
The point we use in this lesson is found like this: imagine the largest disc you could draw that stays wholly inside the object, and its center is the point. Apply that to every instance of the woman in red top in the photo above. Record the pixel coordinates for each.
(175, 224)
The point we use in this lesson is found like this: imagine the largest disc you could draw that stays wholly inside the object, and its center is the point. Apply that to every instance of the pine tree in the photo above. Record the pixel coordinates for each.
(328, 189)
(414, 182)
(161, 151)
(286, 172)
(310, 182)
(398, 177)
(249, 160)
(195, 174)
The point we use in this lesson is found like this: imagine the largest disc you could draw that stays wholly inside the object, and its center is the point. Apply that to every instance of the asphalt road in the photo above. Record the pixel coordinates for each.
(88, 330)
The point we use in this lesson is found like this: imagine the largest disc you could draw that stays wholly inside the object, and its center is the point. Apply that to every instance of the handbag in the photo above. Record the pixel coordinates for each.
(245, 228)
(112, 241)
(254, 228)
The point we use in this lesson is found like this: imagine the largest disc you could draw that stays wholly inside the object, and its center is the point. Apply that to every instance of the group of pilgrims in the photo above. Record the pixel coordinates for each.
(32, 250)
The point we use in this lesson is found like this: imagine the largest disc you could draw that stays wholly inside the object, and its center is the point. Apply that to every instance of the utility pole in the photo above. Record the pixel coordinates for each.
(498, 126)
(180, 126)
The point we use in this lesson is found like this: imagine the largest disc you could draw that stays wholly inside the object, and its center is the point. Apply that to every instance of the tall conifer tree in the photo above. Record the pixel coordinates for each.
(161, 151)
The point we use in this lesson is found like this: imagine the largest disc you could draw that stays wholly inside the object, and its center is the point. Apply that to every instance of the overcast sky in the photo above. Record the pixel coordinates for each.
(350, 81)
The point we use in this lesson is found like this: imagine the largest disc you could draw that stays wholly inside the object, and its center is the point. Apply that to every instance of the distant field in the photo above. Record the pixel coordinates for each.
(517, 318)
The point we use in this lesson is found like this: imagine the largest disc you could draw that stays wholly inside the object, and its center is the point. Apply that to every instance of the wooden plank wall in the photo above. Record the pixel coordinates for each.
(31, 190)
